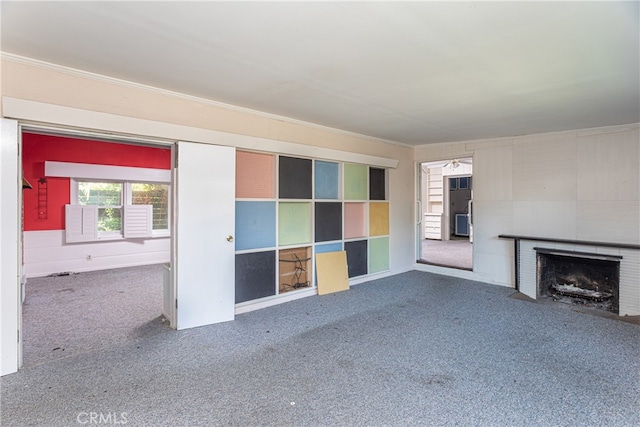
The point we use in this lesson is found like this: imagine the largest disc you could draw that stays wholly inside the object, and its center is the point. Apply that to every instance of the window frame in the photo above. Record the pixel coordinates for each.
(126, 200)
(103, 235)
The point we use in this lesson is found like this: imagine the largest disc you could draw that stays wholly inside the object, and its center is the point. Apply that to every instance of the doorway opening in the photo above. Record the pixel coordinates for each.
(92, 284)
(446, 221)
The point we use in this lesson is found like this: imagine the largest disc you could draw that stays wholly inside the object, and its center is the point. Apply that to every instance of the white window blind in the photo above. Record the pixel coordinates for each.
(81, 223)
(138, 221)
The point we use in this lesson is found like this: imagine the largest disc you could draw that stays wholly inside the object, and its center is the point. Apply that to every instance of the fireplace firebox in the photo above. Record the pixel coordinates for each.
(581, 278)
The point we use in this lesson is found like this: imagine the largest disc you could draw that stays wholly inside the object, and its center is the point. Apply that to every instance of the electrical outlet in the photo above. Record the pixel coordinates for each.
(88, 257)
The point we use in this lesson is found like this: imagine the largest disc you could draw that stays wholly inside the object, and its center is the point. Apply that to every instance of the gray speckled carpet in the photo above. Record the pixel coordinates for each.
(412, 349)
(455, 253)
(65, 316)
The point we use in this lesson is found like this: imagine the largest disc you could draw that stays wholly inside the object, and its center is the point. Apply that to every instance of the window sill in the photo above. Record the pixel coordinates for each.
(118, 238)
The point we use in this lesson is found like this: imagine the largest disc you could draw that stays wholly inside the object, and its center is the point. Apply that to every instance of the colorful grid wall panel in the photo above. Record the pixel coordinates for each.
(255, 175)
(378, 254)
(295, 178)
(356, 257)
(354, 220)
(355, 182)
(294, 223)
(328, 217)
(377, 184)
(326, 180)
(378, 219)
(255, 225)
(294, 266)
(255, 275)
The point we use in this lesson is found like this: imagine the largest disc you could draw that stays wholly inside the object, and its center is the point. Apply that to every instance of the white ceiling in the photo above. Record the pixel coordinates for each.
(410, 72)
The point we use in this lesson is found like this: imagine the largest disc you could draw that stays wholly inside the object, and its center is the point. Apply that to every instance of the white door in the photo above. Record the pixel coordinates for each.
(419, 215)
(10, 249)
(204, 251)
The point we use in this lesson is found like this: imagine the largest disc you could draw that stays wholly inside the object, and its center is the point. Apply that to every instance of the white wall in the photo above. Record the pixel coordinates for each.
(45, 252)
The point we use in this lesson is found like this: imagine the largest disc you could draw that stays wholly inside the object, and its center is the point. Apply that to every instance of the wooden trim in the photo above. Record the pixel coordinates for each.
(572, 242)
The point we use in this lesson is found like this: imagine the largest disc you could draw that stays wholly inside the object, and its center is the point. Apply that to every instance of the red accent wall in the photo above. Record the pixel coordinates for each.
(36, 149)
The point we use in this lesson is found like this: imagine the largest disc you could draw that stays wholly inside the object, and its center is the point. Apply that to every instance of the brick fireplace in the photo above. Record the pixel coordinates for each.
(614, 269)
(580, 278)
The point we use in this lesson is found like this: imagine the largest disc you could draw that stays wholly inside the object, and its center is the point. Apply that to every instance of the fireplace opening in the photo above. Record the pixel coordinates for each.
(579, 278)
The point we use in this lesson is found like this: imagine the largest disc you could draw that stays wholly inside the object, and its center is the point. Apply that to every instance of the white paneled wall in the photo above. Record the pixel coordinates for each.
(576, 185)
(493, 173)
(608, 166)
(45, 252)
(608, 220)
(545, 218)
(545, 170)
(492, 258)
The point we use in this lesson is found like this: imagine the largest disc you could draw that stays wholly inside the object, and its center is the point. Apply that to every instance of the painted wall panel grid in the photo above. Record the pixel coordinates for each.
(378, 255)
(377, 184)
(255, 225)
(378, 219)
(255, 175)
(328, 221)
(294, 178)
(327, 182)
(357, 258)
(328, 247)
(355, 182)
(310, 207)
(255, 275)
(355, 222)
(294, 223)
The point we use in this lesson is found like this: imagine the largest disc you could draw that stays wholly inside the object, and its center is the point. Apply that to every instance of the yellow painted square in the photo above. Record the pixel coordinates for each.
(378, 219)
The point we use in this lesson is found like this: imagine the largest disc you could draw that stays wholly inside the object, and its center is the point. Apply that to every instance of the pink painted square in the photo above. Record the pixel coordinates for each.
(255, 175)
(354, 220)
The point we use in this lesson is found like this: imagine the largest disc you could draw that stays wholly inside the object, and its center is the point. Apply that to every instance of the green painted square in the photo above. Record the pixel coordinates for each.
(378, 255)
(355, 182)
(294, 223)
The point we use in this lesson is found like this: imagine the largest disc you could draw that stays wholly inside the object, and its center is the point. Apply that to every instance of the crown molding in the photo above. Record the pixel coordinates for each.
(139, 86)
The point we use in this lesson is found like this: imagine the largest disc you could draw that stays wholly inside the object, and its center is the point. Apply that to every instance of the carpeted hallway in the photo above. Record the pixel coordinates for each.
(454, 253)
(412, 349)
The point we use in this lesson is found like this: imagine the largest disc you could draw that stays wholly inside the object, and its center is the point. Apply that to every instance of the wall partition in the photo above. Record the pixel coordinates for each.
(288, 209)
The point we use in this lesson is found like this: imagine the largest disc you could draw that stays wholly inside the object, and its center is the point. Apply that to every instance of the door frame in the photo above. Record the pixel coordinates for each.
(71, 133)
(10, 248)
(446, 223)
(446, 204)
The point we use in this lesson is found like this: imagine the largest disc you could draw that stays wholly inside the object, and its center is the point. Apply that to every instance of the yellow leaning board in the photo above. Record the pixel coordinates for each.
(331, 269)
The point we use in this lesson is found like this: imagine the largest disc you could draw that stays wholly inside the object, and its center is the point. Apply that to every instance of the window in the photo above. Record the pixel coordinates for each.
(107, 196)
(156, 195)
(102, 210)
